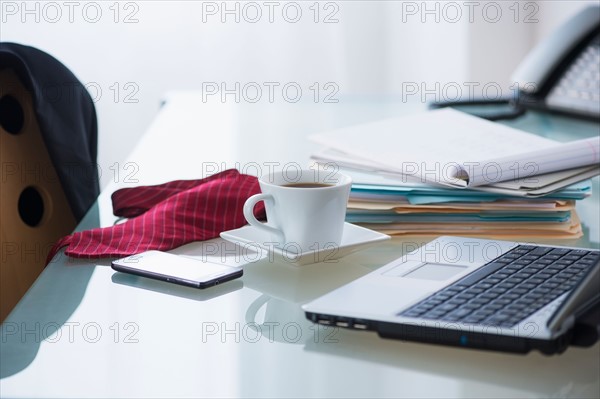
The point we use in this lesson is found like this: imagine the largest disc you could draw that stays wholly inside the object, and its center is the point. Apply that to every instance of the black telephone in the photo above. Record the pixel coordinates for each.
(560, 75)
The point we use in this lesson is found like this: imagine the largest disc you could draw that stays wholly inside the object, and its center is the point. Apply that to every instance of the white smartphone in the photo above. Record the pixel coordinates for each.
(177, 269)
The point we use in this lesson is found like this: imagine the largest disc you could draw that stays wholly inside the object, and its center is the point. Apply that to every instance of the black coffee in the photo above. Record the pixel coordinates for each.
(307, 185)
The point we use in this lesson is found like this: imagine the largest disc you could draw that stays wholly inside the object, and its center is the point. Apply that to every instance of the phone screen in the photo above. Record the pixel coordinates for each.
(176, 269)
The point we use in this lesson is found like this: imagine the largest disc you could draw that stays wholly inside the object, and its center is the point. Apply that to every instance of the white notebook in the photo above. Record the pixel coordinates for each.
(455, 149)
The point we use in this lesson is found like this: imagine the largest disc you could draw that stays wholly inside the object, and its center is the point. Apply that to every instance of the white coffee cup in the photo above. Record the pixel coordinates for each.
(305, 209)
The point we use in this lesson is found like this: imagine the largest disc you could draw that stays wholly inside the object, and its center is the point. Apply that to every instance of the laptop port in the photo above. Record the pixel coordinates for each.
(323, 319)
(343, 322)
(360, 324)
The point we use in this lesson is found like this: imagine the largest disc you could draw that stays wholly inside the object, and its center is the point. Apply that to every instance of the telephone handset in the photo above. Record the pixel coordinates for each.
(560, 75)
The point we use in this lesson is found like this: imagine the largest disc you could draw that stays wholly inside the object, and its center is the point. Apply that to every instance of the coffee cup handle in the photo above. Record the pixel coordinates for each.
(251, 317)
(249, 215)
(254, 308)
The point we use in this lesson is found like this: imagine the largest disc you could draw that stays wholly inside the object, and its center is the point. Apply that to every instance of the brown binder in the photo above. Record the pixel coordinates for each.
(34, 209)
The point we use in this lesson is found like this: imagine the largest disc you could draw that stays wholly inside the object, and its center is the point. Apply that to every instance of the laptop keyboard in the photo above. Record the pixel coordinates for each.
(509, 288)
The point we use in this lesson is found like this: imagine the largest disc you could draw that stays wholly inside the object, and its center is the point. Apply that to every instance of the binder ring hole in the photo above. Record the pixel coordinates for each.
(31, 206)
(12, 116)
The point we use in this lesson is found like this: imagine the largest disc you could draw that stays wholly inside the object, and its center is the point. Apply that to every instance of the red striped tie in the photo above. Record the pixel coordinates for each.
(167, 216)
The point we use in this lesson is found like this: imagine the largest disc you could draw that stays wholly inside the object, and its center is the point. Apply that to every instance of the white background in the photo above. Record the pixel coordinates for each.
(129, 53)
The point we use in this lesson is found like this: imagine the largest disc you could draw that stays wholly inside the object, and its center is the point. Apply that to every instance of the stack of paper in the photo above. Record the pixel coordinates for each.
(425, 175)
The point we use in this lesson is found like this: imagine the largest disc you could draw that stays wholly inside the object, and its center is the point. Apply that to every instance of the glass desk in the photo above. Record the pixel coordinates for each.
(83, 330)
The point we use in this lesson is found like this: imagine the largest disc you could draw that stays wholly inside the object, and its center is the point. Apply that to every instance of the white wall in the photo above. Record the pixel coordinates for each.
(370, 48)
(553, 13)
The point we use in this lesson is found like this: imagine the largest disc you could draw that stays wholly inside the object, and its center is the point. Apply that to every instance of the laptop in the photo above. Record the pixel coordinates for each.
(469, 292)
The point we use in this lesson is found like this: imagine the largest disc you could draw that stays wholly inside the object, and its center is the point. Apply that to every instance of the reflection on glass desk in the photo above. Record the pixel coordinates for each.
(84, 330)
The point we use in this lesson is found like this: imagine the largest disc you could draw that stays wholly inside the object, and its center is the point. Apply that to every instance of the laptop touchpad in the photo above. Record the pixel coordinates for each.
(435, 271)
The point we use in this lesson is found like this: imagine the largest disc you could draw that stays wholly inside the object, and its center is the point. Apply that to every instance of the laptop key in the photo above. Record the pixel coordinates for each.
(563, 261)
(483, 313)
(481, 273)
(551, 256)
(484, 286)
(532, 296)
(493, 306)
(497, 319)
(518, 291)
(460, 313)
(536, 267)
(412, 313)
(450, 291)
(480, 301)
(518, 266)
(520, 251)
(579, 252)
(513, 309)
(524, 274)
(471, 306)
(460, 287)
(521, 262)
(489, 295)
(571, 257)
(492, 280)
(432, 316)
(527, 286)
(450, 319)
(540, 251)
(523, 301)
(526, 247)
(557, 279)
(473, 290)
(506, 285)
(541, 290)
(446, 307)
(550, 285)
(511, 269)
(545, 261)
(473, 319)
(552, 295)
(423, 307)
(559, 251)
(434, 301)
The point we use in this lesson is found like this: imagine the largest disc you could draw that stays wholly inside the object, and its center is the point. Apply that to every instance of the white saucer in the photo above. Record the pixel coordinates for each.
(354, 238)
